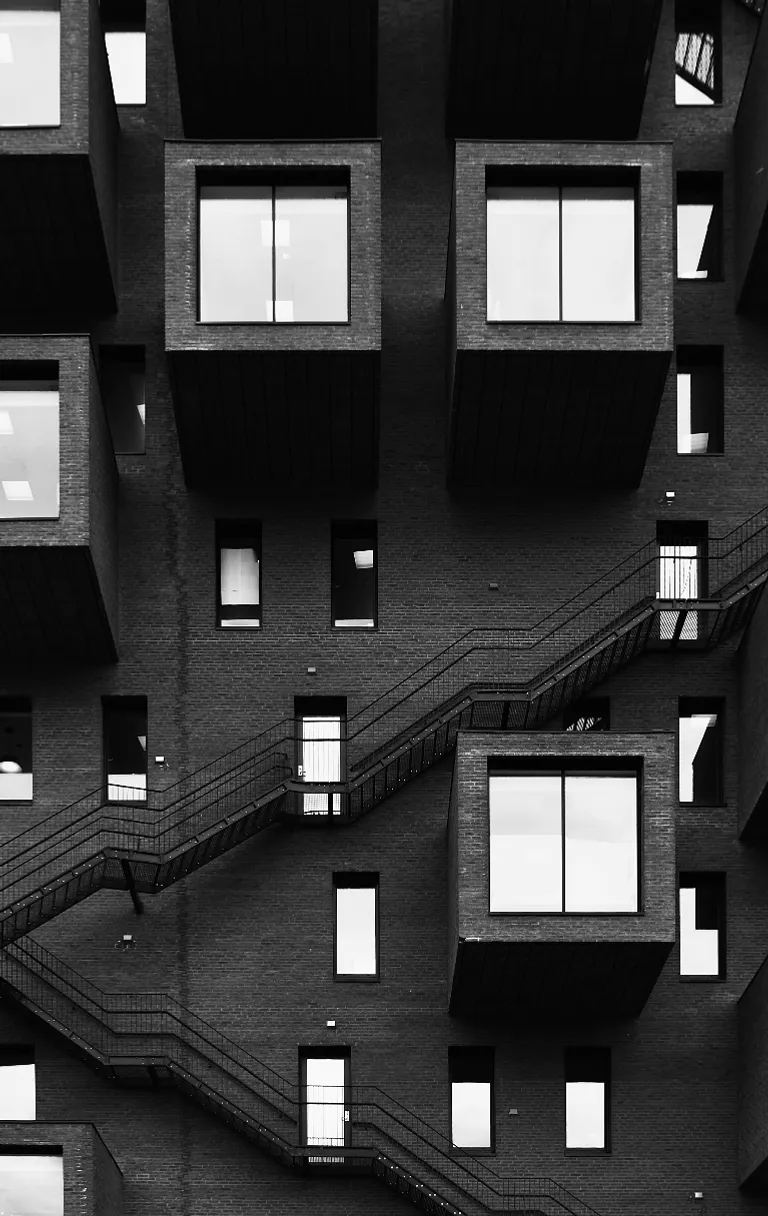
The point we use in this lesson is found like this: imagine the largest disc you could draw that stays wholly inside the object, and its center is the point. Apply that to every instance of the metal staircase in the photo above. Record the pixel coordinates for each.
(149, 1039)
(505, 679)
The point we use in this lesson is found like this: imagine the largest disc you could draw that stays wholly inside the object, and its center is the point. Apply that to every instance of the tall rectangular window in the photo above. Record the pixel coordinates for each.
(697, 53)
(587, 1098)
(700, 750)
(563, 841)
(472, 1107)
(682, 575)
(123, 385)
(702, 925)
(699, 400)
(29, 441)
(353, 574)
(356, 926)
(125, 24)
(238, 566)
(274, 253)
(319, 742)
(32, 1180)
(324, 1074)
(561, 253)
(125, 748)
(592, 714)
(15, 749)
(17, 1082)
(30, 91)
(700, 226)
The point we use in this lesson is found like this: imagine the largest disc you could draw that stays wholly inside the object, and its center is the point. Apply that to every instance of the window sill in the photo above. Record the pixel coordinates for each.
(699, 455)
(472, 1152)
(702, 979)
(239, 628)
(492, 321)
(709, 806)
(273, 324)
(357, 979)
(587, 1152)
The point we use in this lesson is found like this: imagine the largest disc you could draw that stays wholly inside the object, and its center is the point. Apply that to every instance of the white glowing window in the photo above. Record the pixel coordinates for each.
(31, 1184)
(17, 1083)
(356, 926)
(29, 451)
(127, 54)
(587, 1091)
(239, 561)
(702, 922)
(30, 66)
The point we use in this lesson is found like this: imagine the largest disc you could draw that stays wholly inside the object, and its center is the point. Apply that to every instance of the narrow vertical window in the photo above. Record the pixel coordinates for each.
(702, 925)
(15, 749)
(238, 561)
(319, 741)
(32, 1181)
(125, 748)
(472, 1108)
(30, 94)
(125, 24)
(587, 1098)
(700, 226)
(591, 714)
(17, 1082)
(324, 1080)
(699, 400)
(700, 751)
(123, 384)
(29, 441)
(356, 926)
(353, 574)
(682, 575)
(697, 53)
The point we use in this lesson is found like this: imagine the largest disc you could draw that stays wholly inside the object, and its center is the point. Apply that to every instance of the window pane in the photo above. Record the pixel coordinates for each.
(601, 843)
(29, 68)
(356, 930)
(693, 225)
(240, 586)
(17, 1089)
(29, 453)
(585, 1114)
(321, 760)
(526, 843)
(31, 1185)
(471, 1114)
(699, 400)
(353, 580)
(127, 52)
(695, 82)
(699, 757)
(311, 239)
(325, 1100)
(235, 253)
(599, 254)
(15, 753)
(523, 254)
(699, 948)
(125, 742)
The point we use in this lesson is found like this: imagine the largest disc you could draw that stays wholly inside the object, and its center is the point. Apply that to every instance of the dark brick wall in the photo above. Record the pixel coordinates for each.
(103, 133)
(750, 145)
(92, 1179)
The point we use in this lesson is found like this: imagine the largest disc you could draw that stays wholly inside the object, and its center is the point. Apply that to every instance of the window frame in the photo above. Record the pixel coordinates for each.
(486, 1054)
(715, 880)
(350, 529)
(237, 529)
(531, 766)
(365, 879)
(334, 176)
(597, 1052)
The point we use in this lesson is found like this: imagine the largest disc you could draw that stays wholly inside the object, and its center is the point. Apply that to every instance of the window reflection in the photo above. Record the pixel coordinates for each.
(29, 450)
(563, 254)
(31, 1184)
(563, 842)
(29, 66)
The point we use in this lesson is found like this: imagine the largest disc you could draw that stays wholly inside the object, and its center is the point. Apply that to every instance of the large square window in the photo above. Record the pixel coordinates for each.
(274, 253)
(563, 841)
(29, 448)
(30, 65)
(32, 1181)
(561, 253)
(699, 225)
(700, 405)
(15, 749)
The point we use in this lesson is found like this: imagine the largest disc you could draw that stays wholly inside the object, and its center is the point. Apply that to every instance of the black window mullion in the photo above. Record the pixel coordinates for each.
(562, 839)
(274, 254)
(560, 256)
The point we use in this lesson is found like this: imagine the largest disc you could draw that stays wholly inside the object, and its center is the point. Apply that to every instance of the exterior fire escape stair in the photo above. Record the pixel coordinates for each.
(503, 679)
(148, 1040)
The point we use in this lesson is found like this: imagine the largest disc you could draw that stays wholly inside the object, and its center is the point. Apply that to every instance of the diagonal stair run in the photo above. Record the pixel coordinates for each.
(505, 679)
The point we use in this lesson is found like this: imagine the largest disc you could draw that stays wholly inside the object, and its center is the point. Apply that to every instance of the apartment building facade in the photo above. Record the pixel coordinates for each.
(383, 530)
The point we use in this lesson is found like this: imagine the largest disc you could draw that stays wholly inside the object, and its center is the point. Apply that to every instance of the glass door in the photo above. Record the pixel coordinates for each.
(320, 760)
(680, 571)
(326, 1111)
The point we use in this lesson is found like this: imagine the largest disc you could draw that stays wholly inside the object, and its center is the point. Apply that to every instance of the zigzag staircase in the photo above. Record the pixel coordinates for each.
(151, 1040)
(507, 679)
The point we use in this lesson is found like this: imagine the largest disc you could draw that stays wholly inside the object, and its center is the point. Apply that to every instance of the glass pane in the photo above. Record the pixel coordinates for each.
(699, 948)
(31, 1185)
(585, 1114)
(695, 83)
(29, 68)
(353, 576)
(699, 758)
(693, 222)
(325, 1101)
(240, 585)
(356, 930)
(127, 53)
(236, 253)
(15, 756)
(125, 737)
(526, 843)
(29, 454)
(601, 843)
(311, 243)
(599, 254)
(17, 1092)
(321, 760)
(471, 1114)
(523, 254)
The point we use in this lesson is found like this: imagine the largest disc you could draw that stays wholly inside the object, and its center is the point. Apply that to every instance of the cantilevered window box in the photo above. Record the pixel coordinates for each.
(253, 69)
(561, 873)
(548, 70)
(560, 278)
(273, 311)
(58, 151)
(64, 1169)
(750, 143)
(58, 505)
